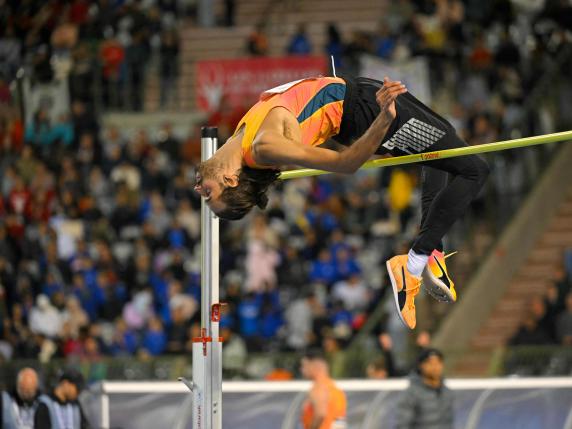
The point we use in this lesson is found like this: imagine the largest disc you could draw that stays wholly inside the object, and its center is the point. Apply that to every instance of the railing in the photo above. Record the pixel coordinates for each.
(352, 363)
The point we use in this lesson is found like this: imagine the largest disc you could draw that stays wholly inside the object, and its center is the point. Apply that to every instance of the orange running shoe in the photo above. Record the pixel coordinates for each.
(436, 278)
(405, 289)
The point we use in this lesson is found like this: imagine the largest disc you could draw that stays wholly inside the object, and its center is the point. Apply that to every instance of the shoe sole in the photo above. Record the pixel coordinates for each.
(436, 288)
(395, 292)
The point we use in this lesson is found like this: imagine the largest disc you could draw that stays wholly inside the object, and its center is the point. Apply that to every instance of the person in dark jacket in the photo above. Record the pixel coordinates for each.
(17, 408)
(61, 409)
(427, 403)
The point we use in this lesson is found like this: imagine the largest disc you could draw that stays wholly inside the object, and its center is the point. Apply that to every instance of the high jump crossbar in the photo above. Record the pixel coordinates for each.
(442, 154)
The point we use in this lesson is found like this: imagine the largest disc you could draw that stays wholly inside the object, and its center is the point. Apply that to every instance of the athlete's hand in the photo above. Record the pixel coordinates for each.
(386, 96)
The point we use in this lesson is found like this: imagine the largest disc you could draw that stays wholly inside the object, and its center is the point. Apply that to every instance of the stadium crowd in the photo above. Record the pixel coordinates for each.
(99, 230)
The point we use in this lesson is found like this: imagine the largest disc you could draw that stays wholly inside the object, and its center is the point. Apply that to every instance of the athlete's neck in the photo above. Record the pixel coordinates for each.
(230, 154)
(321, 378)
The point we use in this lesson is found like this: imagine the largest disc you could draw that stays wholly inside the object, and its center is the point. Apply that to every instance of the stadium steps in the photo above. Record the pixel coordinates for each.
(227, 43)
(532, 280)
(520, 266)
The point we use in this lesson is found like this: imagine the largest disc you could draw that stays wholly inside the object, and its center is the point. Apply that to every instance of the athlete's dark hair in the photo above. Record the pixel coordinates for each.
(251, 191)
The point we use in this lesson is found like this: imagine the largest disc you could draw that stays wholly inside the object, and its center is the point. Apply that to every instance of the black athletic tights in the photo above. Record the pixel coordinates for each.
(417, 129)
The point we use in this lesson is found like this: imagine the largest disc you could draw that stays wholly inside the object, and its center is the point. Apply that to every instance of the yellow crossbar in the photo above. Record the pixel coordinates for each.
(442, 154)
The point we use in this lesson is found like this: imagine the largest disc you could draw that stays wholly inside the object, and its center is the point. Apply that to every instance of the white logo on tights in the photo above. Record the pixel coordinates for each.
(414, 136)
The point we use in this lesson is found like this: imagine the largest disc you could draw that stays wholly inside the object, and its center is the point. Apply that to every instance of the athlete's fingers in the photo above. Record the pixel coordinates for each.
(388, 85)
(390, 88)
(390, 94)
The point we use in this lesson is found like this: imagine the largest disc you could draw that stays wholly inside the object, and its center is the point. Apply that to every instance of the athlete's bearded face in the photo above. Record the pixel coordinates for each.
(210, 184)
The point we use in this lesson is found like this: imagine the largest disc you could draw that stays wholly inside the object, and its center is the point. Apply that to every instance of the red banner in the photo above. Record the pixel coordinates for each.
(240, 82)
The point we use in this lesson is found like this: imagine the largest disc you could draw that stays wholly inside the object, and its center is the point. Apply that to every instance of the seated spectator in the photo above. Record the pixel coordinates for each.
(299, 322)
(139, 310)
(248, 313)
(323, 269)
(177, 330)
(154, 339)
(62, 401)
(530, 333)
(346, 265)
(300, 43)
(353, 292)
(17, 406)
(270, 320)
(334, 45)
(234, 352)
(51, 286)
(376, 369)
(384, 42)
(74, 315)
(124, 340)
(335, 357)
(45, 319)
(257, 43)
(564, 323)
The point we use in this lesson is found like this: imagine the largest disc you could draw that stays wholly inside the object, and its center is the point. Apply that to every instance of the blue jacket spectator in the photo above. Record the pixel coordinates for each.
(300, 44)
(155, 339)
(248, 314)
(323, 270)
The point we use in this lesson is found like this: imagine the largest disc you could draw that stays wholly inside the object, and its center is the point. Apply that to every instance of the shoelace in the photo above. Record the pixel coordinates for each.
(450, 254)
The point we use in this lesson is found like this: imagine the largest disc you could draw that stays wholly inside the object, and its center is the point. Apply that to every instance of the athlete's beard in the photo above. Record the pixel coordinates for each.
(210, 170)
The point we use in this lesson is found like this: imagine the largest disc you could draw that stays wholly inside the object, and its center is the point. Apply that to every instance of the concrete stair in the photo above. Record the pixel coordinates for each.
(221, 42)
(533, 279)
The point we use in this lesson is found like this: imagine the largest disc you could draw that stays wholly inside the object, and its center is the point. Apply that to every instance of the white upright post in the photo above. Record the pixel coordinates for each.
(207, 349)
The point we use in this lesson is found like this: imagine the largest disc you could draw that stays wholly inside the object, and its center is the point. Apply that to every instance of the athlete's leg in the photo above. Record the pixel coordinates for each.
(433, 181)
(469, 174)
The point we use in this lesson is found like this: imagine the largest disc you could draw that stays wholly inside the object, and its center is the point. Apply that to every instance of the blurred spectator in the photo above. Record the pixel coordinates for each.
(45, 319)
(124, 340)
(235, 353)
(257, 43)
(136, 58)
(300, 43)
(323, 269)
(74, 316)
(112, 55)
(169, 51)
(17, 407)
(530, 333)
(376, 369)
(139, 310)
(300, 321)
(427, 402)
(384, 42)
(564, 323)
(10, 52)
(336, 359)
(334, 45)
(154, 339)
(353, 293)
(229, 13)
(248, 313)
(62, 403)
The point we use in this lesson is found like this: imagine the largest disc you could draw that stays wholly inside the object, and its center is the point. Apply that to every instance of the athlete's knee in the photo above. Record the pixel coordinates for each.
(483, 170)
(476, 170)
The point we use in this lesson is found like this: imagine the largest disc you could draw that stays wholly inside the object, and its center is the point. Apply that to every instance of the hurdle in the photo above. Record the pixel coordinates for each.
(206, 385)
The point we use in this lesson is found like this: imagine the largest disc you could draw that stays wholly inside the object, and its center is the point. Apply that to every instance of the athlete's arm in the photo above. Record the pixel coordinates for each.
(319, 397)
(272, 148)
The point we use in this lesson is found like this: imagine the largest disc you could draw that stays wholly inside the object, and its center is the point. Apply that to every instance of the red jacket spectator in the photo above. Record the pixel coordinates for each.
(112, 55)
(19, 199)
